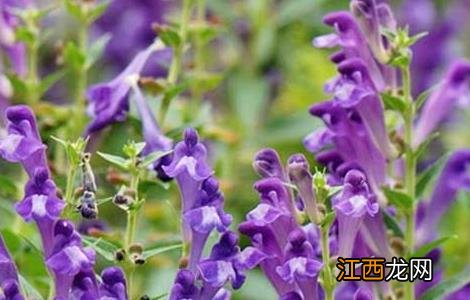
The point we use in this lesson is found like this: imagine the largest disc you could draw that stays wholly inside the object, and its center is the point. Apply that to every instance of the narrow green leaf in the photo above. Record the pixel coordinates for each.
(7, 186)
(448, 286)
(392, 224)
(425, 95)
(426, 248)
(160, 249)
(424, 145)
(400, 199)
(328, 219)
(426, 177)
(104, 248)
(393, 103)
(74, 9)
(96, 49)
(49, 81)
(97, 11)
(28, 290)
(73, 56)
(114, 159)
(160, 296)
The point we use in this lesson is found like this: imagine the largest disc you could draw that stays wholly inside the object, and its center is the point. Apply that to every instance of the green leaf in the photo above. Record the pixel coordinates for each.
(425, 95)
(49, 81)
(114, 159)
(394, 103)
(169, 36)
(8, 186)
(28, 290)
(160, 296)
(426, 177)
(73, 56)
(149, 159)
(104, 248)
(132, 149)
(392, 224)
(160, 249)
(399, 198)
(97, 11)
(328, 219)
(204, 81)
(96, 49)
(425, 144)
(74, 9)
(448, 286)
(426, 248)
(25, 35)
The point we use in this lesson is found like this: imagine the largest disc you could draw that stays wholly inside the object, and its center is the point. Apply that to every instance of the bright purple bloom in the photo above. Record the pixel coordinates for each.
(108, 102)
(353, 43)
(154, 138)
(85, 286)
(23, 143)
(453, 90)
(351, 208)
(268, 164)
(298, 169)
(8, 275)
(114, 284)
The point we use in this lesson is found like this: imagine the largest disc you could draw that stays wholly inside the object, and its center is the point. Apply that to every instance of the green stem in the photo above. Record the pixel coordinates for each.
(328, 283)
(176, 63)
(410, 173)
(32, 78)
(81, 78)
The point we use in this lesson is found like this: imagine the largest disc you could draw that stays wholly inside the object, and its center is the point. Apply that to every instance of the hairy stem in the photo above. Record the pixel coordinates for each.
(410, 173)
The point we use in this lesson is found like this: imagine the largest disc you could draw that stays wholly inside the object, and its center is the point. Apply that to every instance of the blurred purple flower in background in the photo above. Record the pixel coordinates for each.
(9, 281)
(134, 31)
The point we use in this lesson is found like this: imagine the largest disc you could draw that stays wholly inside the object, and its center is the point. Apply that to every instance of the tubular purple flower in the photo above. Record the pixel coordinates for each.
(300, 267)
(8, 275)
(268, 164)
(453, 89)
(351, 207)
(85, 286)
(114, 284)
(108, 102)
(371, 16)
(454, 176)
(352, 42)
(354, 88)
(352, 143)
(298, 169)
(184, 286)
(227, 263)
(23, 143)
(189, 167)
(154, 139)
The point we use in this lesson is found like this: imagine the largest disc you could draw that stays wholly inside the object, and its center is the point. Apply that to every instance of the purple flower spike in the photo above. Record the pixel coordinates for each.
(352, 42)
(454, 176)
(85, 286)
(23, 143)
(11, 290)
(351, 208)
(451, 91)
(298, 169)
(108, 102)
(114, 284)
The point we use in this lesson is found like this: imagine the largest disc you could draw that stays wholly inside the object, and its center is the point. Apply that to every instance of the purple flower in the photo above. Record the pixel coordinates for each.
(353, 145)
(114, 284)
(8, 275)
(23, 143)
(184, 286)
(454, 176)
(85, 286)
(351, 207)
(299, 174)
(372, 16)
(130, 24)
(227, 264)
(15, 51)
(154, 139)
(108, 102)
(453, 89)
(300, 267)
(268, 164)
(352, 42)
(189, 167)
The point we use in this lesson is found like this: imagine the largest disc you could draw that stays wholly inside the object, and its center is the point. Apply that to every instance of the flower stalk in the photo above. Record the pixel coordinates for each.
(178, 53)
(410, 171)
